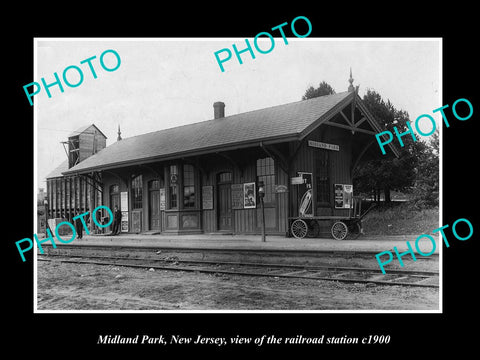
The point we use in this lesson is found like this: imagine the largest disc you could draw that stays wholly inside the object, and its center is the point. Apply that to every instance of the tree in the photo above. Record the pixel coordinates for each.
(386, 172)
(426, 189)
(323, 89)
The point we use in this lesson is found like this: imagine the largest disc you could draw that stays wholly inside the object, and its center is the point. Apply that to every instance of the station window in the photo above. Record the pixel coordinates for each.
(322, 179)
(188, 186)
(173, 192)
(266, 173)
(137, 192)
(225, 177)
(154, 185)
(114, 189)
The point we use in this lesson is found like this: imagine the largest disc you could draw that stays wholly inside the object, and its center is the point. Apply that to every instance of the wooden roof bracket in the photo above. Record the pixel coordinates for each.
(364, 110)
(276, 155)
(98, 185)
(357, 160)
(295, 151)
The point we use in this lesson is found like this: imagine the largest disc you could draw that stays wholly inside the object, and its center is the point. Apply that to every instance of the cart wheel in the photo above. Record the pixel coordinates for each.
(355, 230)
(299, 228)
(339, 230)
(313, 229)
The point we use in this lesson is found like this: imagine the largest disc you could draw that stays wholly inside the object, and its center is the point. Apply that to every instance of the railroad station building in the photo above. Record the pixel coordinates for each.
(203, 177)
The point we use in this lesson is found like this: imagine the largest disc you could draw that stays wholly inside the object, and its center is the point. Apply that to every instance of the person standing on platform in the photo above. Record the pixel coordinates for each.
(117, 219)
(78, 226)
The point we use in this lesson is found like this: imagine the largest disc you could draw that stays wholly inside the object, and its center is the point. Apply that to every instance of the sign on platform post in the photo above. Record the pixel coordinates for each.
(296, 180)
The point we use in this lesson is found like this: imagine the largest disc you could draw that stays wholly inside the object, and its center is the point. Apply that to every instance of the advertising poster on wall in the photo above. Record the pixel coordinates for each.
(237, 196)
(343, 196)
(338, 196)
(124, 225)
(347, 196)
(305, 208)
(249, 197)
(124, 201)
(162, 198)
(207, 197)
(124, 210)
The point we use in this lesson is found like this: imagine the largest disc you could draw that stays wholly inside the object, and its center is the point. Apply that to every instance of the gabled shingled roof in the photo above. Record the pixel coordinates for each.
(278, 123)
(84, 128)
(57, 172)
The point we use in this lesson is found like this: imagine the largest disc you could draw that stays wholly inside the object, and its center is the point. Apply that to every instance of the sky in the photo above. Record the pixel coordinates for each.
(167, 82)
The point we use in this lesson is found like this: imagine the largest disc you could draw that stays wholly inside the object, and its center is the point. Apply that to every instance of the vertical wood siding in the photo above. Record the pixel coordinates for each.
(339, 165)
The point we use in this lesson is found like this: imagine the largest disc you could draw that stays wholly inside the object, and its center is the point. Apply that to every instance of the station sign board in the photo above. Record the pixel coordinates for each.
(322, 145)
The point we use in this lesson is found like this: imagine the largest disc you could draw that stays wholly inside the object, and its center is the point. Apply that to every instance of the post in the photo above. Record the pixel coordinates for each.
(263, 219)
(91, 206)
(261, 194)
(46, 207)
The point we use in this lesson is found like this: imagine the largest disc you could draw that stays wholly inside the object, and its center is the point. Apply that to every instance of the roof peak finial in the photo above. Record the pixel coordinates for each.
(119, 137)
(350, 87)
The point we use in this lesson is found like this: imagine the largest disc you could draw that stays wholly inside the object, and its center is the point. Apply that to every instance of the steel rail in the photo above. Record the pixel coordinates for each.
(175, 267)
(269, 265)
(296, 252)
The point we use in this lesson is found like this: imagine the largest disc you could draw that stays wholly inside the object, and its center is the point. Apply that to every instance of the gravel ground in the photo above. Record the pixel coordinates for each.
(63, 286)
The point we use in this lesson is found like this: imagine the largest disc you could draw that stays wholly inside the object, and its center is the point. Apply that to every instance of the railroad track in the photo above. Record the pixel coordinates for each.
(324, 272)
(361, 254)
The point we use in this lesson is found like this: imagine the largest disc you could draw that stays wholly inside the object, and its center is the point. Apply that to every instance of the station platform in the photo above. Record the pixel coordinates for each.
(364, 243)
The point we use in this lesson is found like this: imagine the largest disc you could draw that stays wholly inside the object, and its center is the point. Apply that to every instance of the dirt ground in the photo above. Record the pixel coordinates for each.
(63, 286)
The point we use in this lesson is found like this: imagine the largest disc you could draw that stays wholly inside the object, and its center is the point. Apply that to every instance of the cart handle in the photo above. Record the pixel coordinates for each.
(372, 205)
